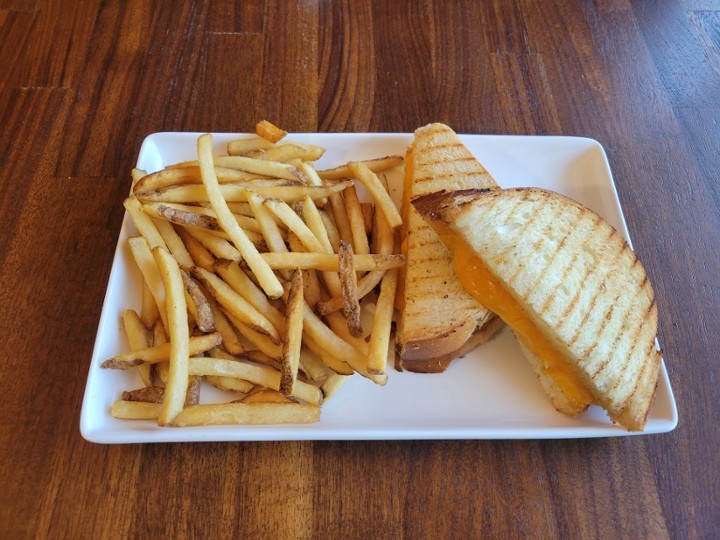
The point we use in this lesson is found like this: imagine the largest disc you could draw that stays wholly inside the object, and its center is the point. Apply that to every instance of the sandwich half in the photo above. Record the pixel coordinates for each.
(437, 319)
(568, 285)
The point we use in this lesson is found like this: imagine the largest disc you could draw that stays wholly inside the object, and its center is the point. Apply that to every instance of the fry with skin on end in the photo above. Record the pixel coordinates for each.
(348, 281)
(293, 334)
(161, 352)
(178, 376)
(268, 281)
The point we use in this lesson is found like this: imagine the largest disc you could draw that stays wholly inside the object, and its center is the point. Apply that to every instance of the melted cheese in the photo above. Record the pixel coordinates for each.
(482, 284)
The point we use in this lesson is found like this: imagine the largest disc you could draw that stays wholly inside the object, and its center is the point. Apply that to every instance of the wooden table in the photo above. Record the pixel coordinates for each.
(84, 82)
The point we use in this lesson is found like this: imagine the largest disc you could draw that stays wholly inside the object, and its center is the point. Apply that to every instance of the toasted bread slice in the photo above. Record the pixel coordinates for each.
(438, 320)
(569, 286)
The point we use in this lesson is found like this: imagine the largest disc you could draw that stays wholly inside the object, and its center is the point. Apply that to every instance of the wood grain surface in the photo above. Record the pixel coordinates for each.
(81, 85)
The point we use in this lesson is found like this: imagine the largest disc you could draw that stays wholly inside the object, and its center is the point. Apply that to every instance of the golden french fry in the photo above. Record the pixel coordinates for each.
(234, 193)
(333, 363)
(376, 165)
(382, 323)
(313, 366)
(149, 312)
(268, 281)
(235, 304)
(248, 413)
(348, 281)
(288, 216)
(332, 230)
(378, 192)
(384, 243)
(356, 220)
(230, 384)
(199, 254)
(266, 395)
(241, 283)
(148, 268)
(333, 383)
(177, 383)
(292, 341)
(242, 147)
(337, 347)
(138, 338)
(216, 245)
(269, 131)
(330, 261)
(256, 374)
(340, 217)
(143, 223)
(161, 352)
(230, 340)
(135, 410)
(174, 243)
(261, 341)
(284, 153)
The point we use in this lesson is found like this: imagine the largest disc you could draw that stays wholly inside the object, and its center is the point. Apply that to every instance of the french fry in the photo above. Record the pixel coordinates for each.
(161, 352)
(356, 221)
(235, 304)
(288, 216)
(230, 340)
(269, 131)
(149, 312)
(177, 383)
(284, 153)
(137, 336)
(379, 194)
(330, 261)
(234, 276)
(193, 193)
(143, 223)
(313, 367)
(340, 217)
(292, 341)
(266, 277)
(348, 281)
(174, 243)
(248, 413)
(202, 312)
(266, 395)
(376, 165)
(382, 323)
(257, 374)
(337, 347)
(217, 246)
(199, 254)
(135, 410)
(267, 345)
(333, 383)
(148, 268)
(242, 147)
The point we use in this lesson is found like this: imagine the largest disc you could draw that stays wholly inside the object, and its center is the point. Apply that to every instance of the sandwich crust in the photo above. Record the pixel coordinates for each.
(437, 319)
(576, 279)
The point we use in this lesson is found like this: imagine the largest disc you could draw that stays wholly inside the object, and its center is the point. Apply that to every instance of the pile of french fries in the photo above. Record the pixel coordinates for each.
(255, 269)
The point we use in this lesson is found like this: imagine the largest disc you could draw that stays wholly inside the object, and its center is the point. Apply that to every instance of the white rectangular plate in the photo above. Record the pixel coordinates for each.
(491, 393)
